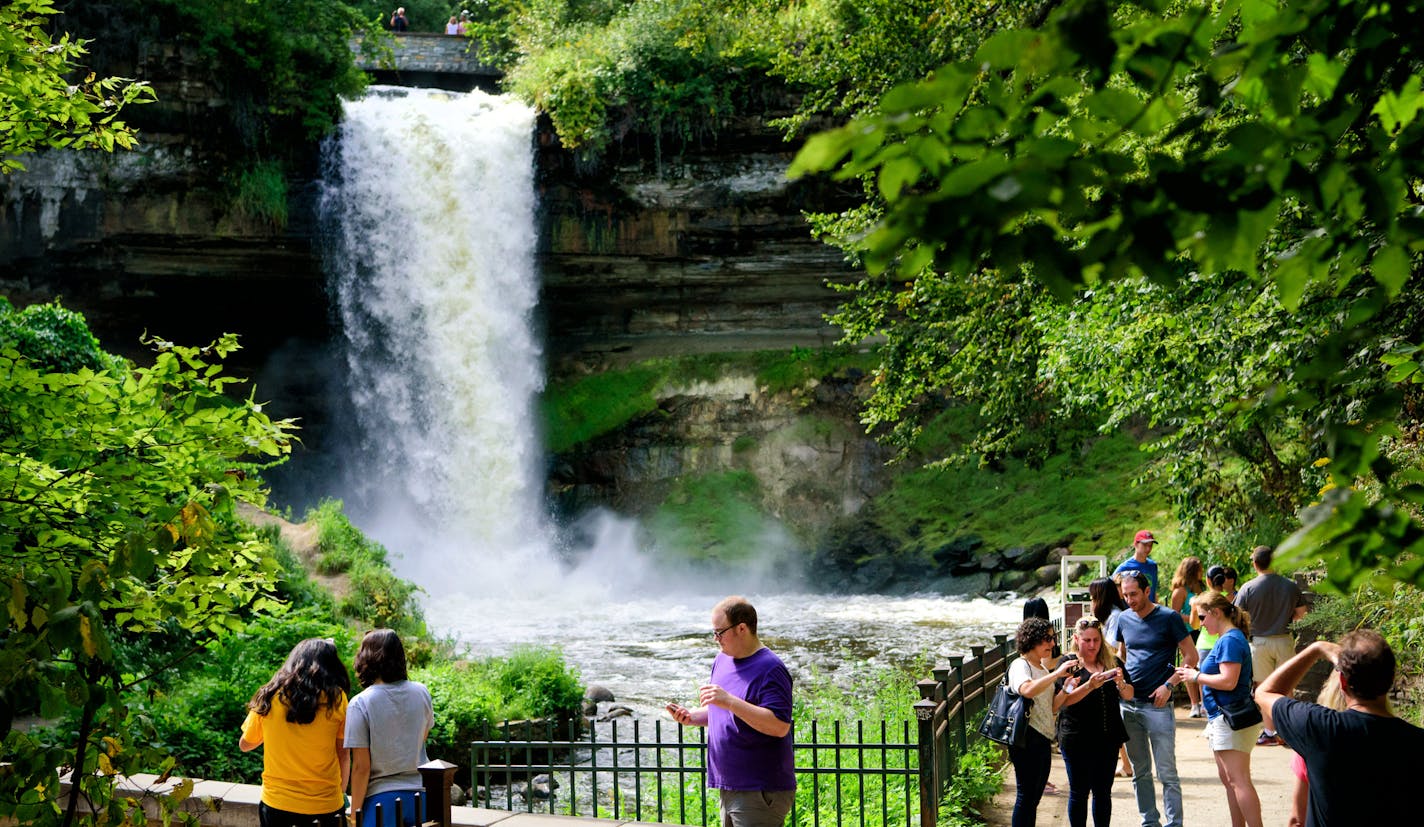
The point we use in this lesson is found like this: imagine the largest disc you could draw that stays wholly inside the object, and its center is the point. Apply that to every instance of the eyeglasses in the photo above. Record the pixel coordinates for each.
(1089, 623)
(717, 633)
(1201, 615)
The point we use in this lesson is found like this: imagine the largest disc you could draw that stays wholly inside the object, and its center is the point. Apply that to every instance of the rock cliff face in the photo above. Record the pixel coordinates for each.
(708, 252)
(813, 464)
(655, 252)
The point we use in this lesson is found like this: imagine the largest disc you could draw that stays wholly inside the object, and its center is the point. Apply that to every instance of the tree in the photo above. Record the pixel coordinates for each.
(1208, 150)
(116, 524)
(41, 105)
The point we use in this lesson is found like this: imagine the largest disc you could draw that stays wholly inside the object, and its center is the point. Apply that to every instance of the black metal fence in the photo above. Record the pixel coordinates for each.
(862, 774)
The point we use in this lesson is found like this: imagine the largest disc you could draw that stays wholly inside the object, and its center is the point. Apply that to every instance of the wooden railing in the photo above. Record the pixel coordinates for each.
(949, 703)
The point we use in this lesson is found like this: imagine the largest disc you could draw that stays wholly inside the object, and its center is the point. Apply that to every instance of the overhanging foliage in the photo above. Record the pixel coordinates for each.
(1183, 145)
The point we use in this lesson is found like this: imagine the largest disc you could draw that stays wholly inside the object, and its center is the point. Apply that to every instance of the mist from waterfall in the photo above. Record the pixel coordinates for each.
(429, 215)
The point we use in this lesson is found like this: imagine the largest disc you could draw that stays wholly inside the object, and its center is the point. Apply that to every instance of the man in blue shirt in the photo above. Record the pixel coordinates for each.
(1141, 560)
(1152, 634)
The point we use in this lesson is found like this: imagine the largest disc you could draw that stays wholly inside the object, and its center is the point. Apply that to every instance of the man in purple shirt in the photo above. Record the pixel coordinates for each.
(747, 711)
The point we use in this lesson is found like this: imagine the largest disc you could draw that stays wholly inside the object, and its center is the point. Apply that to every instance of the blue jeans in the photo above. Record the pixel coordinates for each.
(1152, 737)
(1031, 765)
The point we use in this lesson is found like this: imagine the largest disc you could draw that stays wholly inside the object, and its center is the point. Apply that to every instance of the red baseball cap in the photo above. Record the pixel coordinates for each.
(1144, 536)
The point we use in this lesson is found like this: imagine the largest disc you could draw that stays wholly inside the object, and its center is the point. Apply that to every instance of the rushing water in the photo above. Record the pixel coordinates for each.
(429, 209)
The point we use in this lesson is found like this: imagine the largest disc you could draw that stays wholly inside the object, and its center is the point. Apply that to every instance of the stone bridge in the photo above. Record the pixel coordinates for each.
(426, 60)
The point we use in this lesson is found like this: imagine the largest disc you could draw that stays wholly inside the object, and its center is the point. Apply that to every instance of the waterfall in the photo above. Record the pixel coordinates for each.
(428, 210)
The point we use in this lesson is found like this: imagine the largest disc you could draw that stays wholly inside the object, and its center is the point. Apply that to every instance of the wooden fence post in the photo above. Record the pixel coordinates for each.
(929, 793)
(956, 665)
(437, 776)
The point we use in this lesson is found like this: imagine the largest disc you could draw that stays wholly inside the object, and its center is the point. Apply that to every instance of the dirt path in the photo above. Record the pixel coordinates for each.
(301, 538)
(1203, 796)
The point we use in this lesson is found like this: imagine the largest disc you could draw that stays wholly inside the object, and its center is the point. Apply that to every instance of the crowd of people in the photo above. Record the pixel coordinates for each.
(457, 24)
(1111, 691)
(1232, 648)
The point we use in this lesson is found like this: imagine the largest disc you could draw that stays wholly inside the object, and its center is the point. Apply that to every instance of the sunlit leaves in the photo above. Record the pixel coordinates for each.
(1249, 145)
(40, 106)
(117, 519)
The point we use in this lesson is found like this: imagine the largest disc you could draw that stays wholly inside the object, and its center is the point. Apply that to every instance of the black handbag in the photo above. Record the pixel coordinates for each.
(1006, 719)
(1242, 714)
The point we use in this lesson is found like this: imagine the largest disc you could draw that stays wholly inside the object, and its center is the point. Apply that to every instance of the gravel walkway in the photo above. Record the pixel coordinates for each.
(1203, 795)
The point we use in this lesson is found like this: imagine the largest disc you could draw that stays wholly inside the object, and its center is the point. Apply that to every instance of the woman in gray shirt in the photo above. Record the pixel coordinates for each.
(386, 726)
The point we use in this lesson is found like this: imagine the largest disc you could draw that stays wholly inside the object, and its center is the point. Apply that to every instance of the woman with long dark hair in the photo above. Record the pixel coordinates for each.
(386, 727)
(298, 719)
(1106, 596)
(1029, 677)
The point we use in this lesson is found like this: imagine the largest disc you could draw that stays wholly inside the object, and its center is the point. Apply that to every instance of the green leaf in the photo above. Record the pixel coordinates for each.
(1397, 110)
(1005, 49)
(896, 174)
(1115, 105)
(822, 152)
(964, 179)
(1390, 267)
(1403, 372)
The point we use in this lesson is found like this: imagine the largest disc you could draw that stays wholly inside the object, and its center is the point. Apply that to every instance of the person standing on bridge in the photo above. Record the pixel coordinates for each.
(398, 21)
(746, 708)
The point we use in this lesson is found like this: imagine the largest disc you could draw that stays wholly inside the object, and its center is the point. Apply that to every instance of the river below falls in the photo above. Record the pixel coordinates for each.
(648, 650)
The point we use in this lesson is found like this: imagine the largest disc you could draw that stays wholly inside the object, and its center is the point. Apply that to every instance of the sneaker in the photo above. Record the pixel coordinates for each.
(1268, 739)
(1197, 712)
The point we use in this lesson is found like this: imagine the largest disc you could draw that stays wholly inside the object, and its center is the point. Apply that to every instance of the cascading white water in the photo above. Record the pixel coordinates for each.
(429, 209)
(429, 214)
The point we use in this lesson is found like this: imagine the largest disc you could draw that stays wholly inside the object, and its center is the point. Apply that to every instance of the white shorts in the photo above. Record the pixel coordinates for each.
(1220, 736)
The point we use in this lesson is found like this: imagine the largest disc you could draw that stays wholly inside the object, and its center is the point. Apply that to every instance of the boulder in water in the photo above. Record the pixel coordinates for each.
(597, 693)
(615, 711)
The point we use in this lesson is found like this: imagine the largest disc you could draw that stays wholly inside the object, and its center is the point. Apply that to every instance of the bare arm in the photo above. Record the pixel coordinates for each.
(360, 776)
(1282, 682)
(343, 759)
(246, 745)
(1077, 692)
(1034, 687)
(1188, 648)
(760, 718)
(1225, 680)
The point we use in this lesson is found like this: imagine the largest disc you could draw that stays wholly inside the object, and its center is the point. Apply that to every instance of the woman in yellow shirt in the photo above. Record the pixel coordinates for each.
(299, 719)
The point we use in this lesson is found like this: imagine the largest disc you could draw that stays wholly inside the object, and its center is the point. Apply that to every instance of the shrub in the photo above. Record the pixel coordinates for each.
(472, 698)
(198, 718)
(53, 338)
(978, 778)
(342, 544)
